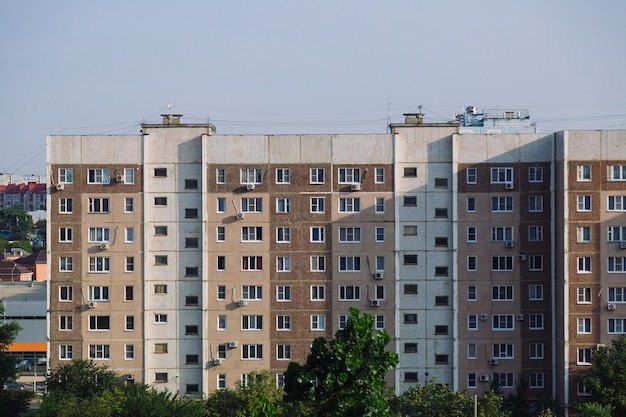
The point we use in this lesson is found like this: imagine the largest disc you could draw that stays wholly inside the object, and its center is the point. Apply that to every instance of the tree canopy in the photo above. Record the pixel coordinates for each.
(11, 402)
(608, 376)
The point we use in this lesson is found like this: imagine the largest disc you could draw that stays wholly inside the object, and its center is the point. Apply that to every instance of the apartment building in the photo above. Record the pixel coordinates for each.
(186, 259)
(30, 196)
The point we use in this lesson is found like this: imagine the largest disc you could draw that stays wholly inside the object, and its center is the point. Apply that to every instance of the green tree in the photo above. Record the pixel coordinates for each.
(490, 404)
(11, 402)
(346, 376)
(593, 409)
(608, 376)
(257, 397)
(82, 379)
(17, 221)
(142, 400)
(433, 400)
(224, 403)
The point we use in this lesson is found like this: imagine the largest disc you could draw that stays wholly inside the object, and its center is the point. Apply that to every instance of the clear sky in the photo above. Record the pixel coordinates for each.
(292, 66)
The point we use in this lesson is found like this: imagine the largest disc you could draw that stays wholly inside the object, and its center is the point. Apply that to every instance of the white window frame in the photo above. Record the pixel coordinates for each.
(283, 234)
(502, 263)
(503, 350)
(318, 204)
(379, 207)
(283, 352)
(616, 264)
(66, 175)
(283, 176)
(251, 322)
(251, 233)
(99, 264)
(252, 352)
(379, 177)
(349, 293)
(502, 322)
(583, 325)
(379, 233)
(583, 203)
(317, 234)
(99, 205)
(318, 322)
(616, 203)
(584, 265)
(349, 234)
(66, 263)
(536, 350)
(616, 294)
(583, 295)
(616, 173)
(470, 176)
(318, 263)
(472, 234)
(252, 292)
(318, 292)
(283, 293)
(349, 205)
(65, 206)
(349, 175)
(535, 204)
(98, 176)
(616, 326)
(283, 205)
(535, 233)
(536, 321)
(502, 234)
(502, 293)
(251, 175)
(502, 175)
(251, 263)
(501, 204)
(583, 356)
(99, 234)
(251, 205)
(99, 352)
(283, 263)
(583, 234)
(583, 173)
(535, 263)
(535, 292)
(535, 174)
(129, 175)
(99, 293)
(317, 176)
(349, 264)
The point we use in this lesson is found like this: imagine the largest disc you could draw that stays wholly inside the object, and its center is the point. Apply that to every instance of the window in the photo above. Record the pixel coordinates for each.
(160, 288)
(283, 205)
(283, 352)
(252, 352)
(471, 204)
(409, 201)
(349, 293)
(221, 263)
(66, 323)
(283, 293)
(160, 172)
(535, 233)
(471, 234)
(99, 264)
(616, 173)
(501, 263)
(441, 359)
(501, 175)
(65, 205)
(536, 351)
(502, 322)
(254, 322)
(221, 322)
(318, 234)
(192, 359)
(350, 205)
(536, 380)
(441, 242)
(380, 263)
(502, 293)
(191, 213)
(583, 203)
(471, 293)
(379, 322)
(584, 264)
(410, 259)
(160, 230)
(318, 322)
(220, 234)
(349, 234)
(129, 234)
(129, 205)
(584, 356)
(318, 293)
(160, 318)
(252, 292)
(221, 292)
(472, 263)
(503, 351)
(317, 204)
(471, 175)
(65, 234)
(616, 264)
(191, 184)
(283, 263)
(318, 263)
(505, 380)
(535, 321)
(380, 205)
(615, 233)
(66, 176)
(500, 204)
(535, 263)
(251, 176)
(191, 300)
(98, 205)
(583, 173)
(584, 325)
(410, 377)
(192, 388)
(350, 263)
(283, 176)
(129, 323)
(409, 230)
(535, 174)
(129, 293)
(501, 234)
(251, 263)
(317, 175)
(160, 348)
(66, 352)
(410, 289)
(616, 326)
(535, 292)
(584, 295)
(472, 322)
(98, 176)
(535, 203)
(66, 263)
(617, 203)
(99, 352)
(160, 201)
(617, 294)
(99, 323)
(221, 381)
(66, 293)
(379, 177)
(441, 271)
(252, 234)
(343, 319)
(160, 260)
(441, 183)
(410, 172)
(220, 175)
(251, 205)
(380, 234)
(283, 234)
(283, 322)
(410, 348)
(349, 175)
(99, 234)
(410, 318)
(192, 242)
(441, 330)
(221, 204)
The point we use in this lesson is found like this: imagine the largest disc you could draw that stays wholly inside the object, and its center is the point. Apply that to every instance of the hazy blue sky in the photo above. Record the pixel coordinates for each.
(342, 66)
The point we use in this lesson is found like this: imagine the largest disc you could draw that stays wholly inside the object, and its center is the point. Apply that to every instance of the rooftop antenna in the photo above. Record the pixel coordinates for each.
(169, 107)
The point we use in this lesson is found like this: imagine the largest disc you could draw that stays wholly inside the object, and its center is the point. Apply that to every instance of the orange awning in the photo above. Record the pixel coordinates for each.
(28, 347)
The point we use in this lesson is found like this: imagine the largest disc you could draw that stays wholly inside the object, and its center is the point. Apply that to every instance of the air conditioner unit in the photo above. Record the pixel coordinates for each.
(375, 303)
(239, 216)
(508, 244)
(242, 303)
(484, 378)
(130, 377)
(520, 317)
(233, 344)
(610, 306)
(217, 361)
(521, 257)
(622, 245)
(379, 275)
(509, 186)
(355, 187)
(484, 317)
(104, 246)
(493, 361)
(60, 186)
(250, 187)
(93, 304)
(119, 178)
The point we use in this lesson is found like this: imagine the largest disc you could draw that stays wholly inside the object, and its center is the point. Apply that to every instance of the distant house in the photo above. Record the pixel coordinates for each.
(14, 272)
(30, 196)
(37, 264)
